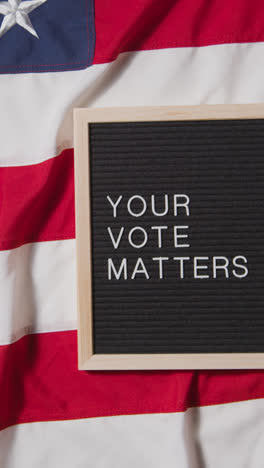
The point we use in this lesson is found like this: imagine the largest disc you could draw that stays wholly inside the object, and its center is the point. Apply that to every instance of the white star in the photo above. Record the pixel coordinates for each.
(16, 12)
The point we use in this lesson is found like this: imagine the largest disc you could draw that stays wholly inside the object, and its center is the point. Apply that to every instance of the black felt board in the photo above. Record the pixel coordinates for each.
(220, 166)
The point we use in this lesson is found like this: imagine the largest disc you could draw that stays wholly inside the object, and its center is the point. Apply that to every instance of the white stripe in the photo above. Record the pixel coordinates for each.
(231, 435)
(34, 113)
(36, 109)
(219, 436)
(154, 441)
(37, 289)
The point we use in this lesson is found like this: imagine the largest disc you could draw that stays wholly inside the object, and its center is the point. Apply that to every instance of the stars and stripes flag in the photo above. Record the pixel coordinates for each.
(56, 55)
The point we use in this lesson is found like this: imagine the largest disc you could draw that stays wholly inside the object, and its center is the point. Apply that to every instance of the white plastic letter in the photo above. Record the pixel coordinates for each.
(223, 266)
(114, 204)
(137, 246)
(236, 264)
(111, 267)
(144, 207)
(159, 229)
(197, 267)
(160, 260)
(180, 236)
(184, 204)
(166, 206)
(138, 270)
(116, 242)
(181, 260)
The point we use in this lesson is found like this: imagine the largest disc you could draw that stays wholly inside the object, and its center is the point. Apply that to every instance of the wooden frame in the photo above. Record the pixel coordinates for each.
(86, 357)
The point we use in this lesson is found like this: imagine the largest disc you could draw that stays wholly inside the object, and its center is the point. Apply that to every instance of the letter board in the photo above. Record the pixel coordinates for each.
(170, 232)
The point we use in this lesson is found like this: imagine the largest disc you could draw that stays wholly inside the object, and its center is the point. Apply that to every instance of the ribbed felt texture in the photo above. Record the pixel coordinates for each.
(220, 166)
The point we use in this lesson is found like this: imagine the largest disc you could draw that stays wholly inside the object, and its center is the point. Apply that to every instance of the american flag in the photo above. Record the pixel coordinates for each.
(56, 55)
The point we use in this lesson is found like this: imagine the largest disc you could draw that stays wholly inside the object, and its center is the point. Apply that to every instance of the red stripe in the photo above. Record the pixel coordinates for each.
(37, 202)
(154, 24)
(40, 382)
